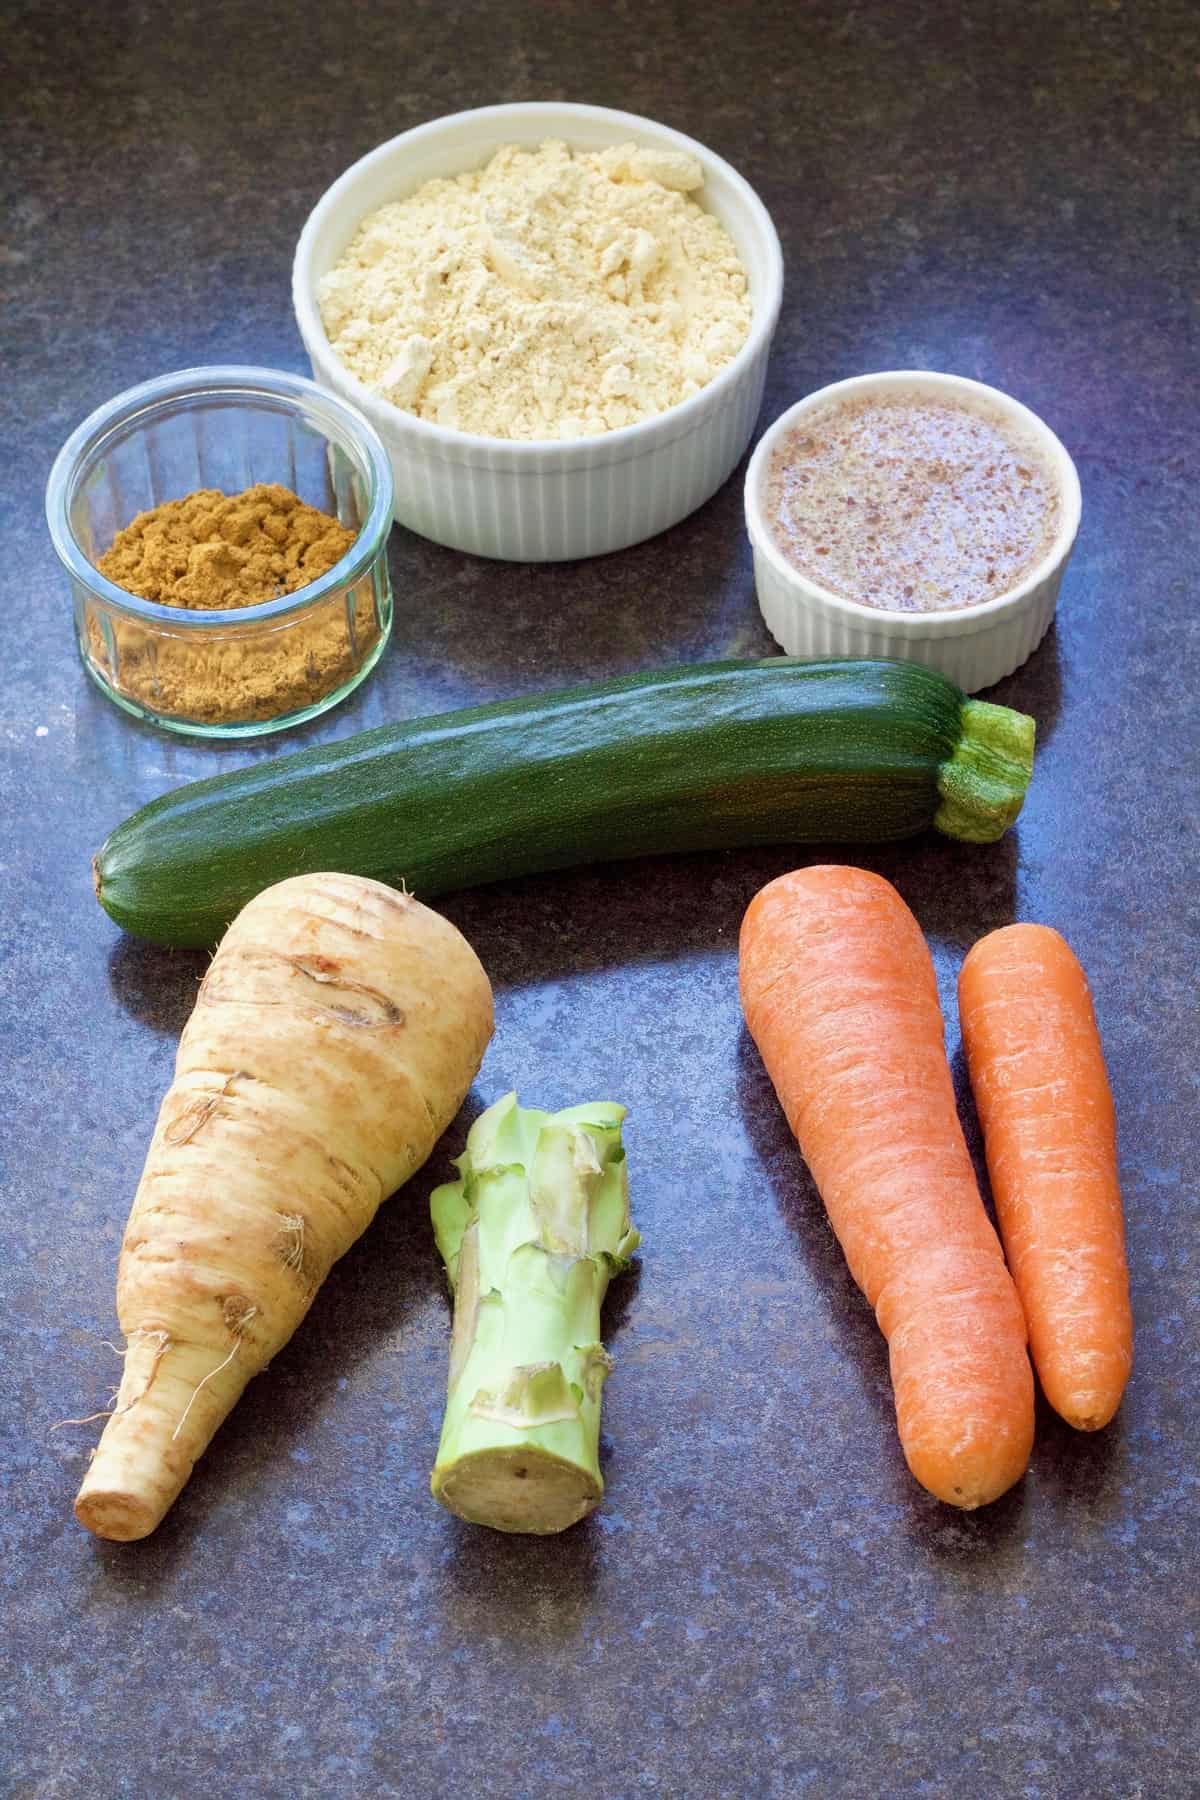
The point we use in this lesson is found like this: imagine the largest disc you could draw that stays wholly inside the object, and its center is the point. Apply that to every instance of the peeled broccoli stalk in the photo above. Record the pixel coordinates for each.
(530, 1235)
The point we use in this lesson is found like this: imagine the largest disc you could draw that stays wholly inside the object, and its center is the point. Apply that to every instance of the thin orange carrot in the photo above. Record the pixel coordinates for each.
(1041, 1089)
(839, 994)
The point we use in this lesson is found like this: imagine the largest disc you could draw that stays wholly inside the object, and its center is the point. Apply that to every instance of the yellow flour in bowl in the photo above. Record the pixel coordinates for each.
(551, 294)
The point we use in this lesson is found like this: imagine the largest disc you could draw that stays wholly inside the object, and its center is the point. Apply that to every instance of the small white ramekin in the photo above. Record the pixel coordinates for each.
(549, 500)
(974, 645)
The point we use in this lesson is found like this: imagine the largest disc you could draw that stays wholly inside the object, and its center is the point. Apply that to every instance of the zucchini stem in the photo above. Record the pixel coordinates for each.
(983, 784)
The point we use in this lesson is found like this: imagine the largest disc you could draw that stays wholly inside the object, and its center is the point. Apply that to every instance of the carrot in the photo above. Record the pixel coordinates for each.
(839, 994)
(1041, 1089)
(334, 1037)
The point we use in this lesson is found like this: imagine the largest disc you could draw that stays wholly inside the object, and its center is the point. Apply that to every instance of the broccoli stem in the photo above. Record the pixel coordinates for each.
(530, 1234)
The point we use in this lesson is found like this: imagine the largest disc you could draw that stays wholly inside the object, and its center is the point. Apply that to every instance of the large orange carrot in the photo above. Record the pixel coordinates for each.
(839, 994)
(1043, 1098)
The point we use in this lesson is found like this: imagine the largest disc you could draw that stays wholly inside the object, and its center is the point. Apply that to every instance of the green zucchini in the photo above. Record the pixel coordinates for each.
(701, 758)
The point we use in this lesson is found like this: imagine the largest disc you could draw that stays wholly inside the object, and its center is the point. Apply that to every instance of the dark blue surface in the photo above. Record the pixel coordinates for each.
(766, 1604)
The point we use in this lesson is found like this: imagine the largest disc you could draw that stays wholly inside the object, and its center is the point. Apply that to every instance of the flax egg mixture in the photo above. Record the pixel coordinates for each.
(911, 502)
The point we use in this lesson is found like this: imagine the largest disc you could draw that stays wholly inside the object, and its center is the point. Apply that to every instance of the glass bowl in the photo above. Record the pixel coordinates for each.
(253, 669)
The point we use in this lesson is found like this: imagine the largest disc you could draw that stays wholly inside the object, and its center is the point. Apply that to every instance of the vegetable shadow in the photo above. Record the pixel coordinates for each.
(1079, 1468)
(470, 639)
(532, 1591)
(154, 985)
(968, 1118)
(1076, 1473)
(987, 1543)
(1035, 688)
(800, 1206)
(609, 916)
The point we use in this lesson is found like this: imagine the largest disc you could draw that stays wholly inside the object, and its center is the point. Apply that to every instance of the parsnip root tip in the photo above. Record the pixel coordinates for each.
(121, 1517)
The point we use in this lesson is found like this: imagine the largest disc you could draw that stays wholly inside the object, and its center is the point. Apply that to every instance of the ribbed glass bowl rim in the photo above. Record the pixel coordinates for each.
(233, 380)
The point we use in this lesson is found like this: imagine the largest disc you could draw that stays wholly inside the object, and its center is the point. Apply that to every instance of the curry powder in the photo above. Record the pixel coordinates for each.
(220, 552)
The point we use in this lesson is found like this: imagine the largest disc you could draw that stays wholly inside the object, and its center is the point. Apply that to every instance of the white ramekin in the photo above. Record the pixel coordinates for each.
(549, 500)
(973, 645)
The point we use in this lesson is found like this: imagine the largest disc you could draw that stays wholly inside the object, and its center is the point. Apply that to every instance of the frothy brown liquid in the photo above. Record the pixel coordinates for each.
(911, 503)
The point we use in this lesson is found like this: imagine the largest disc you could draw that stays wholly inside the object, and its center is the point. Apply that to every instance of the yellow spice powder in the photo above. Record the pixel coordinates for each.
(218, 552)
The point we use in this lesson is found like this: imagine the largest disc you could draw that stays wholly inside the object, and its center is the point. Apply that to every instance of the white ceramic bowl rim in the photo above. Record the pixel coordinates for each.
(217, 380)
(926, 624)
(682, 416)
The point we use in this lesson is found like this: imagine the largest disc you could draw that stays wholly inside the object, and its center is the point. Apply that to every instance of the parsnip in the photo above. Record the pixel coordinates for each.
(334, 1037)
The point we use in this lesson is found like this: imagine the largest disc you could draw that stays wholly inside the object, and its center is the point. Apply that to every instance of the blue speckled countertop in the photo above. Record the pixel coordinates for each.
(766, 1604)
